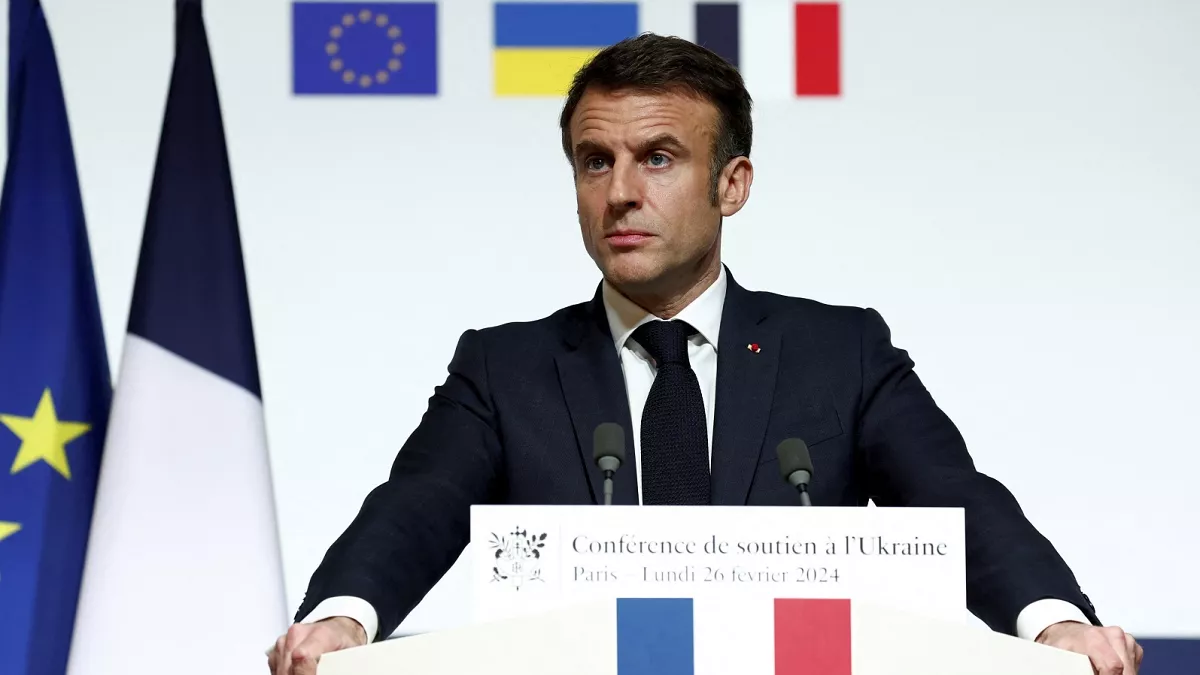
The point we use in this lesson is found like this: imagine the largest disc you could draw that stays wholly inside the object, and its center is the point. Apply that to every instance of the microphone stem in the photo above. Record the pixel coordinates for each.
(608, 488)
(804, 498)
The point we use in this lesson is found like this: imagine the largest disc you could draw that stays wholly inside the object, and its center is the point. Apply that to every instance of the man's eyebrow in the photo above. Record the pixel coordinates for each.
(588, 147)
(664, 140)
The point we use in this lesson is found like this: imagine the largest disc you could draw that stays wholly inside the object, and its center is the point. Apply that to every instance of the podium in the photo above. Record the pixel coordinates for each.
(631, 590)
(586, 640)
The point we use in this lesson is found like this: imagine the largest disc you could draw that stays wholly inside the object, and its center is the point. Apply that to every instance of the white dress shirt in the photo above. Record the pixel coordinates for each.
(703, 314)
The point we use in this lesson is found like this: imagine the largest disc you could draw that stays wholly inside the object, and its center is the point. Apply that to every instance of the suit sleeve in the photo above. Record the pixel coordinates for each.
(412, 528)
(915, 456)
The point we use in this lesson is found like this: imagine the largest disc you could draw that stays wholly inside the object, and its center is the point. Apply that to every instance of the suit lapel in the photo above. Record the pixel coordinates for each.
(745, 389)
(594, 388)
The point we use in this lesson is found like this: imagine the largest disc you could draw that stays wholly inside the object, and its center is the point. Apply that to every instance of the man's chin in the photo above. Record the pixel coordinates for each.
(638, 288)
(631, 271)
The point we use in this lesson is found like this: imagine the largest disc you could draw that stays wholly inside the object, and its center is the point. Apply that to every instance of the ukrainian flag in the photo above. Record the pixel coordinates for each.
(540, 46)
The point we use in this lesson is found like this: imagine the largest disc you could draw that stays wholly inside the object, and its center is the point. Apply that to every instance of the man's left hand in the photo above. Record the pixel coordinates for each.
(1111, 649)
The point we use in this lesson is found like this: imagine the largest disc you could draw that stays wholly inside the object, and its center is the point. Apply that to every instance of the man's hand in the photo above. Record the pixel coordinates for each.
(1112, 650)
(296, 651)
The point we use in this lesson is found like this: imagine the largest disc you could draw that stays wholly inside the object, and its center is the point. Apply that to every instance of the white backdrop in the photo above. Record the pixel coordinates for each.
(1014, 185)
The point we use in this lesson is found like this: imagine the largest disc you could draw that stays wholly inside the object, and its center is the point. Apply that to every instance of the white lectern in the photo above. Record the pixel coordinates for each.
(631, 590)
(585, 640)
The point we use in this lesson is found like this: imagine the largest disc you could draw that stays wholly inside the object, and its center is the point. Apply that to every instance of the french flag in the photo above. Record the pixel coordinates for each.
(677, 636)
(183, 572)
(785, 50)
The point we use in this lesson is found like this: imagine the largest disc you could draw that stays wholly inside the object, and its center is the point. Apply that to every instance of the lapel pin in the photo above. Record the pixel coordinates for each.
(753, 347)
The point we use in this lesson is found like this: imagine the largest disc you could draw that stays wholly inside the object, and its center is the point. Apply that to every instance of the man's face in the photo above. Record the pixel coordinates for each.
(642, 182)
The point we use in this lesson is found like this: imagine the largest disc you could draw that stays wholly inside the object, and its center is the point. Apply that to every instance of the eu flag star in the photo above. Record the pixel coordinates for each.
(8, 529)
(43, 437)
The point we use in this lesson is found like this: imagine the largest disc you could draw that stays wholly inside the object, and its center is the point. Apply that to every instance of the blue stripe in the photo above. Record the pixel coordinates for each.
(567, 24)
(654, 636)
(190, 294)
(717, 29)
(1170, 657)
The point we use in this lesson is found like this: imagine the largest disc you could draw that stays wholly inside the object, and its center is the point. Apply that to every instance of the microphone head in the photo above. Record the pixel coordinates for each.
(795, 464)
(608, 446)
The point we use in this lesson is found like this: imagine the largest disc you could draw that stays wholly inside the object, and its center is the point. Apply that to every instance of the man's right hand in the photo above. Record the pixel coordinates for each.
(296, 652)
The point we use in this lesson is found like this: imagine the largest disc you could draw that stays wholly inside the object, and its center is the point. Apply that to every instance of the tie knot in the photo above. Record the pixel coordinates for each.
(666, 341)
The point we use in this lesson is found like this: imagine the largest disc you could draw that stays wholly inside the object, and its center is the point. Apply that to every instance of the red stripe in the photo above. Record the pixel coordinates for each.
(818, 49)
(812, 637)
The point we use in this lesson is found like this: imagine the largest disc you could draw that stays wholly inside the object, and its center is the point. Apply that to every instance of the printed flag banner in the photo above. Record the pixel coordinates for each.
(54, 375)
(539, 46)
(785, 51)
(784, 636)
(183, 572)
(372, 48)
(675, 636)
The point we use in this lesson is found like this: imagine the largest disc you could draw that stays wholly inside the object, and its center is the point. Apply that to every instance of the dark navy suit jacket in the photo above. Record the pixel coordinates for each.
(513, 421)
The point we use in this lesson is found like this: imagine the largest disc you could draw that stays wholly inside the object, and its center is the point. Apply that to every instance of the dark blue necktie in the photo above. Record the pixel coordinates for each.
(674, 431)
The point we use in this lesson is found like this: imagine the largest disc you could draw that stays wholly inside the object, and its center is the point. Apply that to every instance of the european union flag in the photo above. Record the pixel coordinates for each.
(54, 377)
(373, 48)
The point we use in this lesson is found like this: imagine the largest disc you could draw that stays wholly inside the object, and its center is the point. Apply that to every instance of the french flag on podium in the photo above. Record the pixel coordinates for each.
(685, 636)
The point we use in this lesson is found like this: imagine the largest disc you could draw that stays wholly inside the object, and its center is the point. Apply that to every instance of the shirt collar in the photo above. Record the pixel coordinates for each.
(703, 314)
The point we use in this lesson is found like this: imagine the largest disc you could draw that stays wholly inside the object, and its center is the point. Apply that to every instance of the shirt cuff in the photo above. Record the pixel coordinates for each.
(350, 607)
(1041, 614)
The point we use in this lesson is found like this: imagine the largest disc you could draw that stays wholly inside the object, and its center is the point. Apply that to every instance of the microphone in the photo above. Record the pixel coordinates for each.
(608, 450)
(796, 466)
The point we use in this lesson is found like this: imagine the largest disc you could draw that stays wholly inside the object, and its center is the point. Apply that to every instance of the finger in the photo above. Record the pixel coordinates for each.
(1119, 640)
(303, 664)
(305, 656)
(1127, 666)
(1105, 660)
(295, 636)
(296, 633)
(1131, 646)
(1137, 656)
(276, 656)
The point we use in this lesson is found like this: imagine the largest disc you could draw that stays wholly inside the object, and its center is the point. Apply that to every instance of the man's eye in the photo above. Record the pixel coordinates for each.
(658, 159)
(594, 163)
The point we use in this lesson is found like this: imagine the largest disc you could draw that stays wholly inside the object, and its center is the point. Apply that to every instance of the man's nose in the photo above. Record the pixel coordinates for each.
(625, 189)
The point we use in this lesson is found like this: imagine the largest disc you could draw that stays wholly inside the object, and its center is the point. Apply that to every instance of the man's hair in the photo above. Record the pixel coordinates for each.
(660, 64)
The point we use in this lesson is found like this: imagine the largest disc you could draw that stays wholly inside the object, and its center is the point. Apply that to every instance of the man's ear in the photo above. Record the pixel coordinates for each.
(733, 186)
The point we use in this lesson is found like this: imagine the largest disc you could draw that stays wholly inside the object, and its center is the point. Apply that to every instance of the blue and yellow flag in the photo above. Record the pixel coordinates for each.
(55, 386)
(540, 45)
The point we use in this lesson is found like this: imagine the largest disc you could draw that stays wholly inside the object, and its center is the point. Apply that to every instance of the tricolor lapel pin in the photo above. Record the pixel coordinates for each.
(753, 346)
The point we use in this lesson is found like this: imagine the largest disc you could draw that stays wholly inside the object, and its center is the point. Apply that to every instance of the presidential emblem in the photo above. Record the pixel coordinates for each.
(518, 557)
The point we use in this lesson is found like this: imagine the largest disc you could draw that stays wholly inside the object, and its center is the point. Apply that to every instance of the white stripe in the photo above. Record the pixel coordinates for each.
(734, 634)
(183, 571)
(767, 39)
(668, 17)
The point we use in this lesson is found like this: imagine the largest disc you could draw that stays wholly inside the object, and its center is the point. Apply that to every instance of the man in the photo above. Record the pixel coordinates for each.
(707, 375)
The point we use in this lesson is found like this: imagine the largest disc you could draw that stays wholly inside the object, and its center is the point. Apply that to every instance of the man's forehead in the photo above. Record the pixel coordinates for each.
(638, 115)
(669, 101)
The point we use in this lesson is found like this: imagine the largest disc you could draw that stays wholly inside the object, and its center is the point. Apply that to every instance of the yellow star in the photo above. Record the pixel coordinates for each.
(8, 529)
(44, 437)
